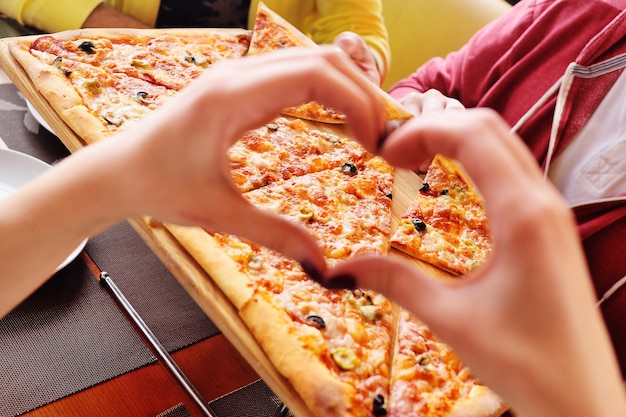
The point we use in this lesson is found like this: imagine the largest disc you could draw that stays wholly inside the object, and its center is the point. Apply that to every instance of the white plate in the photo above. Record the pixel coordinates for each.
(17, 169)
(38, 117)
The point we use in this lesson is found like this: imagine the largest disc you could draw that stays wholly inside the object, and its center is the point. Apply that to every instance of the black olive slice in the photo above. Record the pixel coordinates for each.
(425, 187)
(349, 168)
(316, 321)
(88, 47)
(142, 97)
(378, 406)
(419, 225)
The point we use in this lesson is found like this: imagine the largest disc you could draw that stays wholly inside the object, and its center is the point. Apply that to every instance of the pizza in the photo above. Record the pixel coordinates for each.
(271, 32)
(361, 355)
(344, 352)
(446, 224)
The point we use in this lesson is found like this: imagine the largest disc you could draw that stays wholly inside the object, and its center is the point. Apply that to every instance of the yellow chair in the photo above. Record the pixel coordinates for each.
(422, 29)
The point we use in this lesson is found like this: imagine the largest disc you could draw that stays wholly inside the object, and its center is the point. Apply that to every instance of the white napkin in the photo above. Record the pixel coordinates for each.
(3, 145)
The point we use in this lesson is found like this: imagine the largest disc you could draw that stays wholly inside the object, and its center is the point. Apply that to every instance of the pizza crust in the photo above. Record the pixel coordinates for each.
(222, 268)
(317, 386)
(62, 94)
(269, 325)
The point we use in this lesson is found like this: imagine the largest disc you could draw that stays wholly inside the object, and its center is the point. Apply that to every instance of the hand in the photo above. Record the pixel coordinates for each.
(422, 104)
(356, 48)
(526, 321)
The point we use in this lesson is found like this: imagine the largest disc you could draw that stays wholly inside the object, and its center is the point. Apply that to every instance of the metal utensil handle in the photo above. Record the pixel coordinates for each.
(161, 352)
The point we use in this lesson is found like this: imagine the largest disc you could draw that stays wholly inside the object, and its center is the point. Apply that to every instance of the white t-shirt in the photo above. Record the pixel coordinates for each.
(593, 166)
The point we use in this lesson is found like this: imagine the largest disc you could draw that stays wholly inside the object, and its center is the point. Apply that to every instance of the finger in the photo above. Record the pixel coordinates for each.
(453, 104)
(355, 47)
(432, 101)
(352, 44)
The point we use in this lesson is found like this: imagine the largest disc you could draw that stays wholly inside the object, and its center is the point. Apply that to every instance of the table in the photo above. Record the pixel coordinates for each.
(69, 350)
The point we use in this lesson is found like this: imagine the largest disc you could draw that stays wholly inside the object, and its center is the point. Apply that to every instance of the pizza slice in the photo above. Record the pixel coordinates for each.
(347, 209)
(286, 148)
(332, 346)
(272, 32)
(428, 379)
(446, 224)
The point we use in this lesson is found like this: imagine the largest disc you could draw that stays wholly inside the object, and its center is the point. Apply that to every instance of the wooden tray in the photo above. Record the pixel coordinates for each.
(181, 264)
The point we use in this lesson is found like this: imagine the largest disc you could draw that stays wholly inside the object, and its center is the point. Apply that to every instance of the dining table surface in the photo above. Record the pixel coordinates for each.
(73, 349)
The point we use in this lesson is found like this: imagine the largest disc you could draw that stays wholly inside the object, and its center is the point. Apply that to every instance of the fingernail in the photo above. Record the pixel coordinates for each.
(311, 270)
(341, 282)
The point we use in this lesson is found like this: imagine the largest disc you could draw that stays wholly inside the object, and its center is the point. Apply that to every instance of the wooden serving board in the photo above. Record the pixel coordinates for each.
(182, 265)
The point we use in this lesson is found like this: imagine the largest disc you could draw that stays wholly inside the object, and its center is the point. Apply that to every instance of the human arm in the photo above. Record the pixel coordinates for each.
(105, 16)
(526, 322)
(173, 165)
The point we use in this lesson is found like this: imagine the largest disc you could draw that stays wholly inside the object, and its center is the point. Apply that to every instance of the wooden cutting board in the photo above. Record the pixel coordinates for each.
(182, 265)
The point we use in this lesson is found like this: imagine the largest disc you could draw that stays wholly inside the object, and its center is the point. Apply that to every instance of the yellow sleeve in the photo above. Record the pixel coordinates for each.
(323, 20)
(58, 15)
(47, 15)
